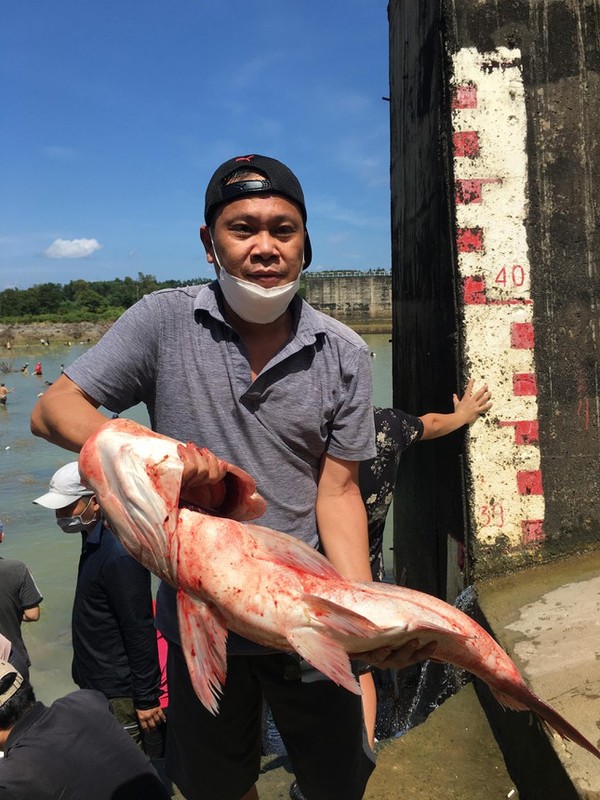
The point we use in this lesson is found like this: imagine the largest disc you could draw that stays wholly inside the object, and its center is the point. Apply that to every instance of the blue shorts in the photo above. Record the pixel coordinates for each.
(218, 757)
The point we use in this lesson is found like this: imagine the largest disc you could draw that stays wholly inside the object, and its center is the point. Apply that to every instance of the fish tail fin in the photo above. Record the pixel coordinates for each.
(520, 698)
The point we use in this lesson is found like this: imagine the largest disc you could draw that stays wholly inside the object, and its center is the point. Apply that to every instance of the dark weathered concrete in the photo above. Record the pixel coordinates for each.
(429, 493)
(559, 48)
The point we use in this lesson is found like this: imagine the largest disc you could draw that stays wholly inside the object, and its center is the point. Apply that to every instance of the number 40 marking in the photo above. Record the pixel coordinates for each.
(513, 277)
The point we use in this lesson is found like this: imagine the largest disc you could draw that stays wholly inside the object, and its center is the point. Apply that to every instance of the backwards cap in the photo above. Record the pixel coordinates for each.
(65, 488)
(8, 669)
(278, 179)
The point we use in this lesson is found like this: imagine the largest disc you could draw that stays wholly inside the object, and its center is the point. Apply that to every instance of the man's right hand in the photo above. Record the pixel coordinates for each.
(202, 480)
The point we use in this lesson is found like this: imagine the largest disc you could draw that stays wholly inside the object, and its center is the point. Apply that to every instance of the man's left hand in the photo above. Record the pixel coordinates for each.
(410, 653)
(150, 718)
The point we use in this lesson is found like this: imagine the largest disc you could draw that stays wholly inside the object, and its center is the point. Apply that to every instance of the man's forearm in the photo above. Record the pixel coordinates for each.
(342, 525)
(66, 416)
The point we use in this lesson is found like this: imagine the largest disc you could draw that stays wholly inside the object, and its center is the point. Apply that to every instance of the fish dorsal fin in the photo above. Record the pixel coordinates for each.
(339, 619)
(270, 545)
(203, 640)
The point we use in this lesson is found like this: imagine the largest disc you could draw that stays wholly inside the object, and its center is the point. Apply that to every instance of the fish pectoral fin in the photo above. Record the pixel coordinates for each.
(203, 640)
(320, 646)
(270, 545)
(325, 654)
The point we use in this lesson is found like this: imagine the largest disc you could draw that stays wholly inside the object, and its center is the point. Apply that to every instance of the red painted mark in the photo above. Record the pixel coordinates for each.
(521, 335)
(526, 431)
(474, 291)
(583, 406)
(532, 530)
(464, 96)
(524, 384)
(467, 192)
(466, 144)
(529, 481)
(469, 240)
(583, 410)
(470, 191)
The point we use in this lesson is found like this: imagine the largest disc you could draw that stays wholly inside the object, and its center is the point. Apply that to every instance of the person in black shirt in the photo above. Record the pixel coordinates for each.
(71, 750)
(395, 431)
(20, 601)
(114, 639)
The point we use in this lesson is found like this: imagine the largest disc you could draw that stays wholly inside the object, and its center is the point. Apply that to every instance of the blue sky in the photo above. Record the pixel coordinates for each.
(116, 113)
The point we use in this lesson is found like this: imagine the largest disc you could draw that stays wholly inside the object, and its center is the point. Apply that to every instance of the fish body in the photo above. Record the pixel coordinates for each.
(231, 574)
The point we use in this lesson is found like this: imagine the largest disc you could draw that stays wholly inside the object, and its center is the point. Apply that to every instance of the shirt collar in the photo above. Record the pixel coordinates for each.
(93, 536)
(308, 323)
(22, 725)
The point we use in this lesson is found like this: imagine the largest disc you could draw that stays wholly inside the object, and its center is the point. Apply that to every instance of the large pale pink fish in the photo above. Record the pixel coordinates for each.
(268, 586)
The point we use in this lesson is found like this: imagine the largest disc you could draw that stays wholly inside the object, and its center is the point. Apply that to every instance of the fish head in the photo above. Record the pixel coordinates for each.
(136, 476)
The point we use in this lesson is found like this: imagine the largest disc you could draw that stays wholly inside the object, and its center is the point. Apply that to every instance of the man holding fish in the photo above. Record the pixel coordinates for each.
(247, 369)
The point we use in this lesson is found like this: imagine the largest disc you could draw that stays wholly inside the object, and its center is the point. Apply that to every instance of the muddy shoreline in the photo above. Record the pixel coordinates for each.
(36, 333)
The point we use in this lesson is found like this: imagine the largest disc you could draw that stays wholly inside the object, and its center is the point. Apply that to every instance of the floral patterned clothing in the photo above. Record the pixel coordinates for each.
(395, 431)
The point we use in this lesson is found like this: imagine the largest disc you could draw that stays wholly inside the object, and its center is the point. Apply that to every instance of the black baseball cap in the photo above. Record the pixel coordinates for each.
(278, 179)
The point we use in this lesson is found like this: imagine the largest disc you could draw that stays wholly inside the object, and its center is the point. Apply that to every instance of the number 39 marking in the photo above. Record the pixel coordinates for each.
(492, 515)
(513, 277)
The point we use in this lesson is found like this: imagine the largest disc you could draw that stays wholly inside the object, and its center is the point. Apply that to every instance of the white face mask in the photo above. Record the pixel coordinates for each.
(252, 302)
(75, 524)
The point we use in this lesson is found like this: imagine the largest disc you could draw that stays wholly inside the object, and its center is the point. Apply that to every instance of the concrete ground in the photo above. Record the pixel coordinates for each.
(548, 620)
(452, 755)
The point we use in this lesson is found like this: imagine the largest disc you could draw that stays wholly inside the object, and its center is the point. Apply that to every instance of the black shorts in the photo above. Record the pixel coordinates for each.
(218, 757)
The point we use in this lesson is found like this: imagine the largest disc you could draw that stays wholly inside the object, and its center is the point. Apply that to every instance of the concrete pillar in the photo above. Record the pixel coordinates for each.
(518, 131)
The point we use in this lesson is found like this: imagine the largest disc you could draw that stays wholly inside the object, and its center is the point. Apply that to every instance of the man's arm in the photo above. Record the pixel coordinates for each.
(467, 409)
(65, 415)
(31, 614)
(342, 523)
(341, 518)
(129, 592)
(29, 597)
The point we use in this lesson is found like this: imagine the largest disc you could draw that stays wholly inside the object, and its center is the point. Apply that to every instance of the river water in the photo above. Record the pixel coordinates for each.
(31, 535)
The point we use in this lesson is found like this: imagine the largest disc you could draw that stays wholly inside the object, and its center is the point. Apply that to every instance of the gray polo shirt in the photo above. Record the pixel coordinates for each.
(174, 351)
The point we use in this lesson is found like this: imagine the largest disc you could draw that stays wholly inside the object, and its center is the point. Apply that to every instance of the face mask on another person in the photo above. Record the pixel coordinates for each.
(252, 302)
(76, 524)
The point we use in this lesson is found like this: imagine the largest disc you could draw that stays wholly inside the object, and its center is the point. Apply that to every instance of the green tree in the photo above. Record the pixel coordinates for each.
(89, 300)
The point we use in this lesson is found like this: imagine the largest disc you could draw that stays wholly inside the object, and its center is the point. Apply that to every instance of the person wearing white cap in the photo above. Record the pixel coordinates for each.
(114, 639)
(73, 749)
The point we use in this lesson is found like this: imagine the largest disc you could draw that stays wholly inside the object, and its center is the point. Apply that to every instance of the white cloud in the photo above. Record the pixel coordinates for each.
(72, 248)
